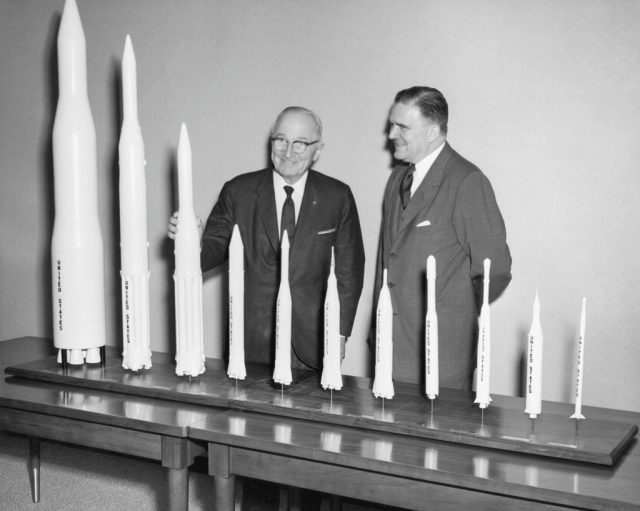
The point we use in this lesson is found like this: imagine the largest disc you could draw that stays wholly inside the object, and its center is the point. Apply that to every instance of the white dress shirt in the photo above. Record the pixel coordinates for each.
(422, 167)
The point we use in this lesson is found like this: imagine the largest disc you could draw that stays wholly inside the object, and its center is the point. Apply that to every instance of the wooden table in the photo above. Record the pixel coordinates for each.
(340, 457)
(403, 471)
(118, 423)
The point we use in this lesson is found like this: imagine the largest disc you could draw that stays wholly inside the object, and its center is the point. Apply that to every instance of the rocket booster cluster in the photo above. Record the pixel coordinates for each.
(76, 245)
(134, 249)
(188, 274)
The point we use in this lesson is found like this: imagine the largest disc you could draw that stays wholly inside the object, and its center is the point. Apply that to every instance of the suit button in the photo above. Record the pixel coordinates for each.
(390, 284)
(393, 254)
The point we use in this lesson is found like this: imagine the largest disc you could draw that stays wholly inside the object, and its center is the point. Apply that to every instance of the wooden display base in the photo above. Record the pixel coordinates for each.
(452, 417)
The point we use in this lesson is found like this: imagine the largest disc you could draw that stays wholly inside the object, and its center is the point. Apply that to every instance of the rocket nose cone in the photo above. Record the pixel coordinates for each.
(72, 72)
(70, 23)
(184, 145)
(129, 81)
(127, 53)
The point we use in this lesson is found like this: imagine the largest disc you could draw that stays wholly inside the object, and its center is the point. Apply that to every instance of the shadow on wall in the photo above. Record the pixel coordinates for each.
(167, 252)
(45, 149)
(114, 190)
(521, 375)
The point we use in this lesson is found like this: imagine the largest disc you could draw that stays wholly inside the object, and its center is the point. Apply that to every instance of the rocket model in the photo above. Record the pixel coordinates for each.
(533, 404)
(432, 375)
(483, 362)
(580, 363)
(282, 369)
(188, 275)
(331, 375)
(76, 244)
(134, 247)
(236, 367)
(383, 381)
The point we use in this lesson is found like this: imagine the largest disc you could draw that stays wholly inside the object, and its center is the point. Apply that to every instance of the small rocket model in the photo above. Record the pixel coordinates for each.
(432, 376)
(188, 275)
(282, 370)
(331, 375)
(383, 381)
(533, 404)
(236, 367)
(76, 245)
(483, 363)
(134, 247)
(580, 363)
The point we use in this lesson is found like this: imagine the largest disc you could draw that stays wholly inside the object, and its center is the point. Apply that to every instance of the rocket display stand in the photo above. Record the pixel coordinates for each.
(454, 419)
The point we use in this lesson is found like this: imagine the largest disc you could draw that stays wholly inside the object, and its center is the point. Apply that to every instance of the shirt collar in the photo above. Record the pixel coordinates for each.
(425, 164)
(298, 187)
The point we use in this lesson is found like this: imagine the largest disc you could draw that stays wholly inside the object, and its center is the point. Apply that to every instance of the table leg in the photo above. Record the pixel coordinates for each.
(335, 503)
(225, 493)
(178, 489)
(34, 466)
(239, 495)
(295, 499)
(283, 498)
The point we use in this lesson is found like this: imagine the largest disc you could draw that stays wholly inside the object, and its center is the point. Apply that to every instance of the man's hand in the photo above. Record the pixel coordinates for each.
(173, 226)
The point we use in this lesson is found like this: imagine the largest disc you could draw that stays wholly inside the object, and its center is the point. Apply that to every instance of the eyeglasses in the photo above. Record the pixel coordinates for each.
(297, 146)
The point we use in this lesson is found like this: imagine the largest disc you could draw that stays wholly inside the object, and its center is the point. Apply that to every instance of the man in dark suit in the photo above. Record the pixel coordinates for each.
(323, 215)
(436, 203)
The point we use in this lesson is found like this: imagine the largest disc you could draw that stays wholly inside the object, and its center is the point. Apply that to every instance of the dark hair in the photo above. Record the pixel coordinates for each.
(430, 101)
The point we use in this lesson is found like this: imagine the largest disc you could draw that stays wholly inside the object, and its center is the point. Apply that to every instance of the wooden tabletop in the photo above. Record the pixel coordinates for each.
(109, 408)
(452, 416)
(526, 476)
(330, 446)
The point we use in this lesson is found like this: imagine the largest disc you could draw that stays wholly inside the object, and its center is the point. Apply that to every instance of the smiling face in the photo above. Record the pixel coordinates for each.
(413, 136)
(294, 126)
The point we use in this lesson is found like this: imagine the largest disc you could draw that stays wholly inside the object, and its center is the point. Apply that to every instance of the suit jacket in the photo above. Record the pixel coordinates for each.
(327, 218)
(453, 215)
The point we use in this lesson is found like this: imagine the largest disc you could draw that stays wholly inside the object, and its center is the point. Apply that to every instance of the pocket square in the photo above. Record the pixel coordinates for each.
(424, 223)
(328, 231)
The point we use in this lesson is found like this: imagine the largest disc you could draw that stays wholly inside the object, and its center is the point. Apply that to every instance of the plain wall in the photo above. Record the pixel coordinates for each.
(544, 97)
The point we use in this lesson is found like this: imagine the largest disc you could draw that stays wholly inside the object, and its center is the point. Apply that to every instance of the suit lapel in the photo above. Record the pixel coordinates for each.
(427, 191)
(266, 202)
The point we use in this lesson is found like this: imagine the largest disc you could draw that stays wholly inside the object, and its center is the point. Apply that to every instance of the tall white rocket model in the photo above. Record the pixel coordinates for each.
(188, 274)
(134, 247)
(237, 368)
(432, 372)
(76, 245)
(577, 414)
(383, 381)
(533, 404)
(483, 361)
(331, 375)
(282, 369)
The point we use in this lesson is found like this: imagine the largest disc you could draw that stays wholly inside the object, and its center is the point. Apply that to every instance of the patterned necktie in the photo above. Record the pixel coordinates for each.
(288, 219)
(405, 185)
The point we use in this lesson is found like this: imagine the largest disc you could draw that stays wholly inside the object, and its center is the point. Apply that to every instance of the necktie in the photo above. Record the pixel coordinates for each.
(288, 220)
(405, 185)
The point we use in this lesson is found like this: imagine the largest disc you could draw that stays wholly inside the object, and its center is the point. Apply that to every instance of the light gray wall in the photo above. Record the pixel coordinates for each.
(544, 97)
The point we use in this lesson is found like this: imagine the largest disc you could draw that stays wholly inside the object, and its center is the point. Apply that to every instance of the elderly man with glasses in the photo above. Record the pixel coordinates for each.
(318, 213)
